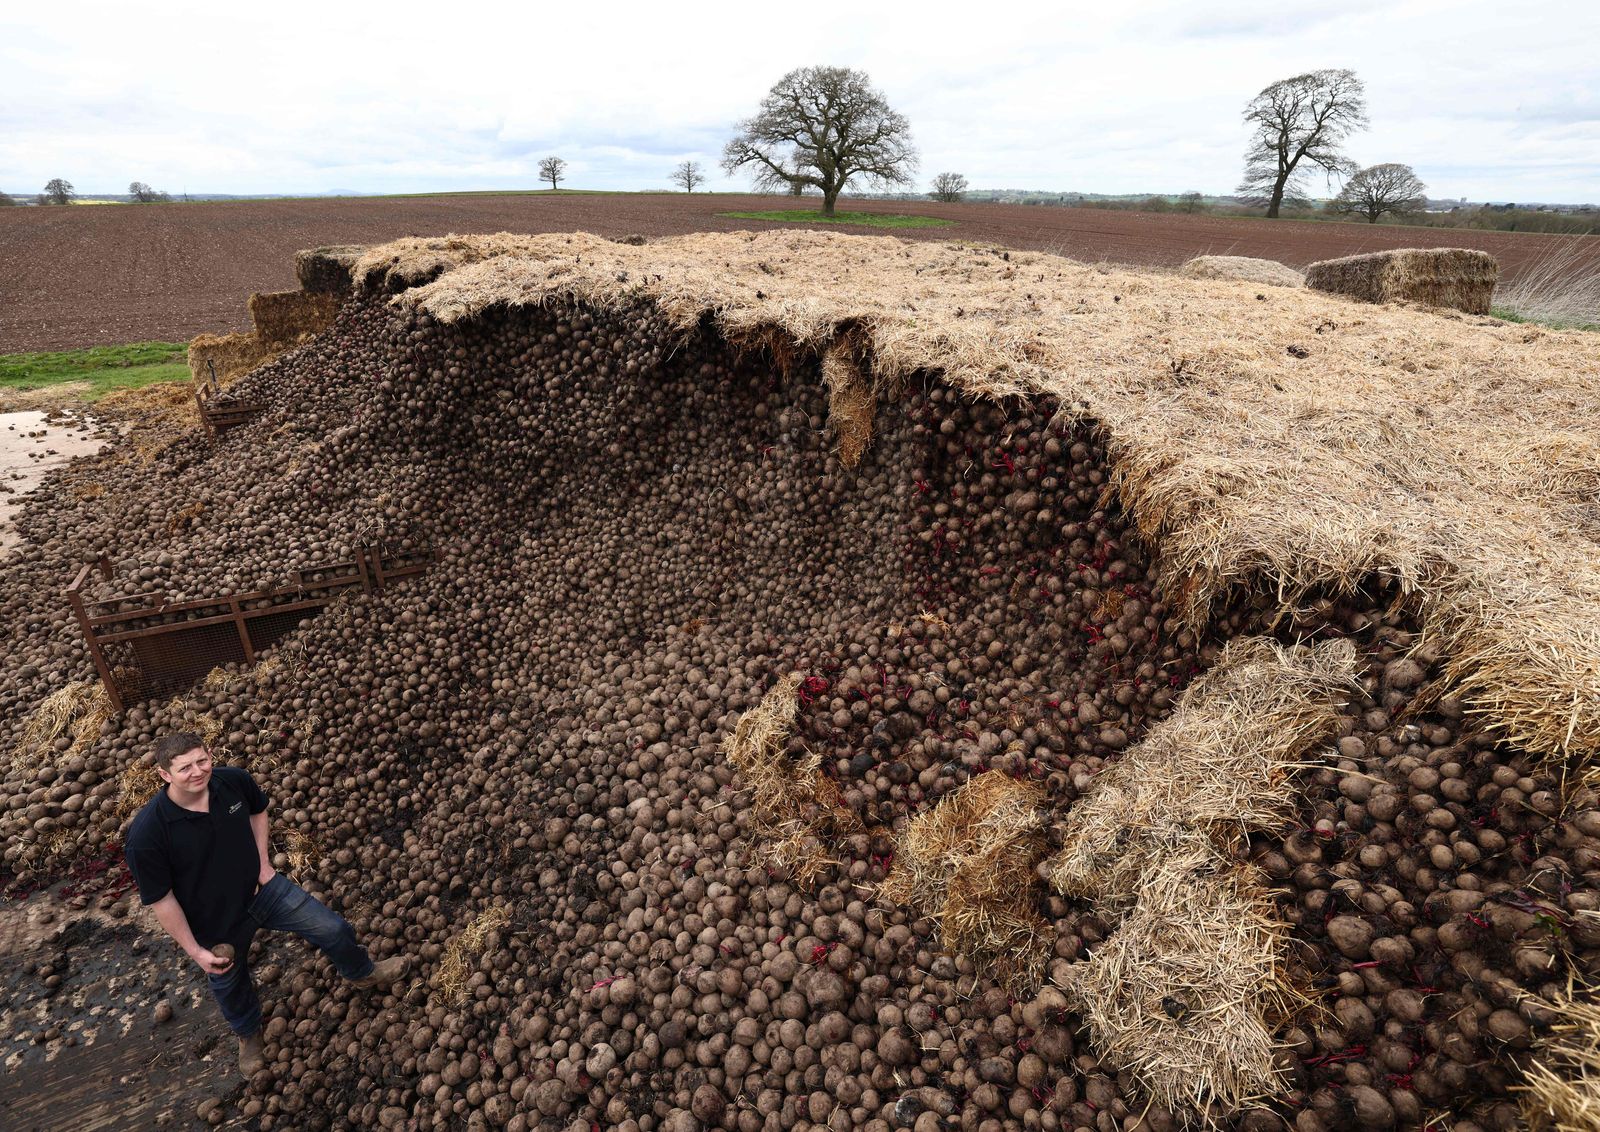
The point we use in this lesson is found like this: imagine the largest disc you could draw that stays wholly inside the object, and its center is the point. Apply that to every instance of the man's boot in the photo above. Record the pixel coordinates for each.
(384, 973)
(251, 1057)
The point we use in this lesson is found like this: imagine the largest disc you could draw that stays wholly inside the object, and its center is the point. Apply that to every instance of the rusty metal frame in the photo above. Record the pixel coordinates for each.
(221, 411)
(109, 620)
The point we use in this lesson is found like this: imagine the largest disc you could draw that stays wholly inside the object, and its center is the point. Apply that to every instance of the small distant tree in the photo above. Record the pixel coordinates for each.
(552, 169)
(688, 175)
(1192, 202)
(144, 194)
(1299, 124)
(821, 127)
(7, 200)
(948, 187)
(1155, 204)
(1380, 189)
(58, 191)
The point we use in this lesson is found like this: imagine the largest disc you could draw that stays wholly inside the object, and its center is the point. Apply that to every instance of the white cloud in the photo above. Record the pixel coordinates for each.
(302, 97)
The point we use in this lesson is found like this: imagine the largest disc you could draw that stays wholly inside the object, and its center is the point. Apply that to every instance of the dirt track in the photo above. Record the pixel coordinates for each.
(92, 276)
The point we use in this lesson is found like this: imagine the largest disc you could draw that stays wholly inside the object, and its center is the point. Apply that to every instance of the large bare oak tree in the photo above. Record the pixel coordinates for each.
(820, 127)
(1299, 125)
(1378, 189)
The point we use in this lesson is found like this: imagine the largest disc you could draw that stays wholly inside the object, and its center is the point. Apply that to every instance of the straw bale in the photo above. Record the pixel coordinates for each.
(798, 811)
(1221, 763)
(1562, 1085)
(327, 270)
(287, 318)
(1189, 987)
(1462, 278)
(1454, 460)
(1243, 268)
(228, 355)
(969, 863)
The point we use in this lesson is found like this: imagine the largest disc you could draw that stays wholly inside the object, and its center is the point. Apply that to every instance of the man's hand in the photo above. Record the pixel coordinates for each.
(212, 963)
(266, 874)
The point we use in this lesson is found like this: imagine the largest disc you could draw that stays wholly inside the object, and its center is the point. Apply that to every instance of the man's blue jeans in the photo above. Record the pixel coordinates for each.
(285, 907)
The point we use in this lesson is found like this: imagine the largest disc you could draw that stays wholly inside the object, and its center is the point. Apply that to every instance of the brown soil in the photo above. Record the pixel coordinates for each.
(93, 276)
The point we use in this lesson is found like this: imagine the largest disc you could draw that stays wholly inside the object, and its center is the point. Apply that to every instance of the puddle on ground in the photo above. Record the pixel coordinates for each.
(31, 445)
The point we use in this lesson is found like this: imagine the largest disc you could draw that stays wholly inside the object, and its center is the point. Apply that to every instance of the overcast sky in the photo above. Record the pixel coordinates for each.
(1486, 99)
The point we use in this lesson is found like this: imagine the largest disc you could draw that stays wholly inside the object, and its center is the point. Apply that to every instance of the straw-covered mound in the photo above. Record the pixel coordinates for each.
(1460, 278)
(1286, 441)
(1243, 268)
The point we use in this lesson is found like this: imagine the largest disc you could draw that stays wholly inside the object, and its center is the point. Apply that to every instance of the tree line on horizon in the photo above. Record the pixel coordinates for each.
(820, 129)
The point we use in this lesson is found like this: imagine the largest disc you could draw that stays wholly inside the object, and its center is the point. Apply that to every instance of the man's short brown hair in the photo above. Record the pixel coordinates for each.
(172, 746)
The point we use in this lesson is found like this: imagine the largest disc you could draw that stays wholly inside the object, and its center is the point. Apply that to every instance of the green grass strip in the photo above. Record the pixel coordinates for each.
(104, 367)
(871, 219)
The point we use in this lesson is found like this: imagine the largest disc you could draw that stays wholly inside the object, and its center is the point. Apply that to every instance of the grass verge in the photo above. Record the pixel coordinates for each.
(1560, 289)
(105, 368)
(871, 219)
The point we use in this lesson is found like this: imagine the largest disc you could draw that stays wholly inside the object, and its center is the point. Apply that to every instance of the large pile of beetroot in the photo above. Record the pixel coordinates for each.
(509, 768)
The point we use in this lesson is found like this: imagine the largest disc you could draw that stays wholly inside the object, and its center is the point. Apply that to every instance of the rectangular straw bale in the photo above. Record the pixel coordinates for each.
(326, 270)
(285, 318)
(1461, 278)
(230, 355)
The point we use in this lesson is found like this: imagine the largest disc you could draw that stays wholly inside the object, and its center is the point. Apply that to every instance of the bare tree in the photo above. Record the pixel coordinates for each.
(1299, 124)
(1378, 189)
(948, 187)
(1192, 202)
(552, 169)
(58, 191)
(688, 175)
(819, 127)
(144, 194)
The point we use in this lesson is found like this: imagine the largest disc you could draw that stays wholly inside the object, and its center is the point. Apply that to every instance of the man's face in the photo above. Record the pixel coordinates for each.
(190, 771)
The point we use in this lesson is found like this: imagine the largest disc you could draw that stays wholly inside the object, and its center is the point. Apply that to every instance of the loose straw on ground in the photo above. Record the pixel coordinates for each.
(969, 863)
(1562, 1088)
(1187, 989)
(797, 810)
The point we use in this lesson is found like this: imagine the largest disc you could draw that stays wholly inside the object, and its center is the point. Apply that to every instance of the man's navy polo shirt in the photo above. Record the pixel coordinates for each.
(209, 861)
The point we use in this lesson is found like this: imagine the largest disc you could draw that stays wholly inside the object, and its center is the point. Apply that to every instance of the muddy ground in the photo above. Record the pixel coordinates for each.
(92, 276)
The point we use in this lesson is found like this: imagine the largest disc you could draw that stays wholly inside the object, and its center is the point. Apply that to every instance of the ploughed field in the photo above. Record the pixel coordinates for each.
(529, 768)
(89, 276)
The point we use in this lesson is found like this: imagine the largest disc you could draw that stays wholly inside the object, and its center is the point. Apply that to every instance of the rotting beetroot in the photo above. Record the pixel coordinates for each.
(509, 766)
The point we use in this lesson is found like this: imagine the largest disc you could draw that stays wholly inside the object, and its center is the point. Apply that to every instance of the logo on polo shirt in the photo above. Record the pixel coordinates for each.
(233, 809)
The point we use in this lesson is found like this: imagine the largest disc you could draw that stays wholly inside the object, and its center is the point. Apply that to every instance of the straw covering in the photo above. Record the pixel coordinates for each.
(1438, 277)
(1187, 989)
(969, 863)
(1563, 1085)
(1291, 441)
(797, 809)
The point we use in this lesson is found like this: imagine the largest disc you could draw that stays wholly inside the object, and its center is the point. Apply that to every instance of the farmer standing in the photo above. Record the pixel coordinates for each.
(198, 852)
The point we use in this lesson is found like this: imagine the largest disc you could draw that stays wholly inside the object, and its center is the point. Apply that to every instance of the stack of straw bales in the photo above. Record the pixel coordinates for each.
(282, 320)
(1438, 277)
